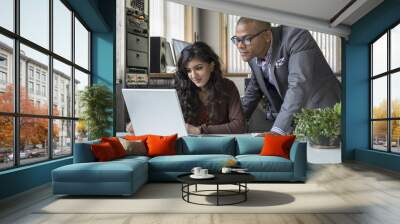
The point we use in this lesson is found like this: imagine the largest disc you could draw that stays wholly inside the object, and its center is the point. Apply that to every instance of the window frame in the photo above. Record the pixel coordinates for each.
(388, 74)
(16, 63)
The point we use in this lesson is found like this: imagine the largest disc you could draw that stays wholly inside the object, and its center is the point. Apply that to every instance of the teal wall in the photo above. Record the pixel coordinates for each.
(99, 16)
(356, 85)
(103, 50)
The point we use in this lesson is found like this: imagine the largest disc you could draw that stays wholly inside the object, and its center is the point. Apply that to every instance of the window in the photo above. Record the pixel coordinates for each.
(81, 81)
(167, 19)
(30, 87)
(3, 61)
(30, 72)
(53, 125)
(62, 29)
(38, 89)
(43, 90)
(81, 45)
(34, 21)
(385, 94)
(62, 75)
(37, 75)
(7, 14)
(3, 78)
(330, 46)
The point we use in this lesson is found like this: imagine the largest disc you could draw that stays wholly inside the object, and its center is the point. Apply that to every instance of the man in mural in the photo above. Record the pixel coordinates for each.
(288, 68)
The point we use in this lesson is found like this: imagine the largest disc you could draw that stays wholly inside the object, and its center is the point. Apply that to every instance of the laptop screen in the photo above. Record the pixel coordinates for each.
(155, 111)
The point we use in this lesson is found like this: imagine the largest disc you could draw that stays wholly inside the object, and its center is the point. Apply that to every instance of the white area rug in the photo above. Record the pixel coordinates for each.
(166, 198)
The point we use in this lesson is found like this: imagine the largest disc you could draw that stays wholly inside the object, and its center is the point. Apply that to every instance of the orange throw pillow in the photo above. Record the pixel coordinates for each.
(103, 151)
(161, 145)
(277, 145)
(116, 145)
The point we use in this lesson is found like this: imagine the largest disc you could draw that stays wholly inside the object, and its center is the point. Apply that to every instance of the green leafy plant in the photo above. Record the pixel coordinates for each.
(320, 126)
(96, 102)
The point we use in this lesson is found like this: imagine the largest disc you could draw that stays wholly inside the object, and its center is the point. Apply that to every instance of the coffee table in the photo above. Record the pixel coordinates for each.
(238, 179)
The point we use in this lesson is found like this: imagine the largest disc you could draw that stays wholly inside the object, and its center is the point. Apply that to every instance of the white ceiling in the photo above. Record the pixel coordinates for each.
(309, 14)
(321, 9)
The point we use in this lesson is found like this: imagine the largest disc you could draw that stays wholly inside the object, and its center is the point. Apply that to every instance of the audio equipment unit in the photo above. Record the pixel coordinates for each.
(161, 58)
(136, 77)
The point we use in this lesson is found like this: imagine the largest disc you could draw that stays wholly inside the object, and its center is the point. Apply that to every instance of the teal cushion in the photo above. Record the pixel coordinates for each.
(185, 163)
(133, 158)
(257, 163)
(249, 145)
(206, 145)
(83, 152)
(111, 171)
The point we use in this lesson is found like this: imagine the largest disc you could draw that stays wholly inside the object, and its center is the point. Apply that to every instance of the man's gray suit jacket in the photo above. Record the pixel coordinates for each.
(300, 74)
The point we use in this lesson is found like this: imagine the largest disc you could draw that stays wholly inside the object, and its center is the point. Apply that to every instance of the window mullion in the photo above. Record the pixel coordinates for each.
(50, 81)
(389, 106)
(73, 81)
(16, 84)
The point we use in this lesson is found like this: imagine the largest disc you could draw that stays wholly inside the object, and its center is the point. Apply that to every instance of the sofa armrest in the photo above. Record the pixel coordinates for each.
(83, 152)
(298, 155)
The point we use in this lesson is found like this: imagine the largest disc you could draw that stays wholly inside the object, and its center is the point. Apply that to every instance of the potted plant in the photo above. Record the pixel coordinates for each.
(96, 102)
(321, 127)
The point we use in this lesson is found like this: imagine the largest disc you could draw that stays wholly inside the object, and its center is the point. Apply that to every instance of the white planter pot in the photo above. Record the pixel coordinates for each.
(324, 156)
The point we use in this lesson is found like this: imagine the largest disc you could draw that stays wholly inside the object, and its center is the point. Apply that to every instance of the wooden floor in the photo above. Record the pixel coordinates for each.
(377, 188)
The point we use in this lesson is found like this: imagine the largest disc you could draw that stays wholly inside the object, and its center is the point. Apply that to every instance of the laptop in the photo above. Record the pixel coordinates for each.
(155, 111)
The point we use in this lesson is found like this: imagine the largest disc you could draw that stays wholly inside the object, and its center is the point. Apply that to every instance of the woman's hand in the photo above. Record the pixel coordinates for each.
(129, 128)
(193, 130)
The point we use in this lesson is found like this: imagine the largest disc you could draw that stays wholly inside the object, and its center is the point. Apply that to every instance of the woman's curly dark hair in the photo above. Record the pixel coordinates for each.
(188, 91)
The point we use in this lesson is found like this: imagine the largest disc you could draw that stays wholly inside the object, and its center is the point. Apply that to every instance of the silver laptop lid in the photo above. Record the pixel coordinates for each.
(155, 111)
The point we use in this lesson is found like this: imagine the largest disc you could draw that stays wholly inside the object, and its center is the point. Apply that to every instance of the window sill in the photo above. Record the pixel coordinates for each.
(26, 167)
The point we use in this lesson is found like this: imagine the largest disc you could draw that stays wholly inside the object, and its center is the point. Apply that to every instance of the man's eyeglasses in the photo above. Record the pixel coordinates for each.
(247, 39)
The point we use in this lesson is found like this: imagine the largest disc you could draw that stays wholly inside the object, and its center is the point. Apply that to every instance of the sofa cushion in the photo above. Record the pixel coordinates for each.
(131, 158)
(206, 145)
(134, 147)
(111, 171)
(249, 145)
(83, 152)
(257, 163)
(185, 163)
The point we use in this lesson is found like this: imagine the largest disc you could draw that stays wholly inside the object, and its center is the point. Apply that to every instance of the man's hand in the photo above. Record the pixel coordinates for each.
(264, 133)
(129, 128)
(193, 130)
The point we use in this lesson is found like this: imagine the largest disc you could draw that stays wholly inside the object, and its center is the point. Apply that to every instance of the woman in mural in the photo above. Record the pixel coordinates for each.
(210, 103)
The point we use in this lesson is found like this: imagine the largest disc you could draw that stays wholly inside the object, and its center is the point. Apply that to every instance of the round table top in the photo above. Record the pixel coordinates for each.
(220, 178)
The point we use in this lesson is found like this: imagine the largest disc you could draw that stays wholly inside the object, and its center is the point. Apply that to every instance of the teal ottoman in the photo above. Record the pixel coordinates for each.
(118, 177)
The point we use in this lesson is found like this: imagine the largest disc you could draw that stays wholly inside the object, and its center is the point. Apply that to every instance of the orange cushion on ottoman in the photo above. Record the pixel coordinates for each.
(103, 152)
(161, 145)
(277, 145)
(116, 145)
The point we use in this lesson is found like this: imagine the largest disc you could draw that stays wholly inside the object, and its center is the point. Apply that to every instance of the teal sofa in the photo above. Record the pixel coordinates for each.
(125, 176)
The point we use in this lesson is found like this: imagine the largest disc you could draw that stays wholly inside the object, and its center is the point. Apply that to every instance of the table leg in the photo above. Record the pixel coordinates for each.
(217, 194)
(245, 191)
